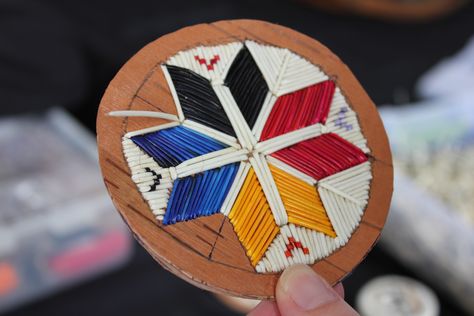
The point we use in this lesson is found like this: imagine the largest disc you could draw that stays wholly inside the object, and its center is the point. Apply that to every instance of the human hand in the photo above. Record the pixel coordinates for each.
(301, 292)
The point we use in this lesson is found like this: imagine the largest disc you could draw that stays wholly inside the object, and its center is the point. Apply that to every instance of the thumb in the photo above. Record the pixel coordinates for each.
(301, 292)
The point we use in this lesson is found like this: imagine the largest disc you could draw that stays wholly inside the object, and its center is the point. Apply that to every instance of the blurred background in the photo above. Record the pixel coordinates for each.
(65, 251)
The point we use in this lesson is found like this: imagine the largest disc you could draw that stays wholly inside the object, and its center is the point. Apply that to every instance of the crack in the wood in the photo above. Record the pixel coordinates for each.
(181, 242)
(217, 237)
(216, 232)
(117, 166)
(149, 103)
(371, 225)
(106, 181)
(335, 266)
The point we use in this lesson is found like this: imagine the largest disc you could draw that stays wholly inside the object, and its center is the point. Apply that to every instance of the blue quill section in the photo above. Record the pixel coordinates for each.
(170, 147)
(199, 195)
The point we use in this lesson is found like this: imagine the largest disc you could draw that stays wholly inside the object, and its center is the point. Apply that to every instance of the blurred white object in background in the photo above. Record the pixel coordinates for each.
(431, 224)
(450, 76)
(57, 223)
(394, 295)
(433, 144)
(429, 238)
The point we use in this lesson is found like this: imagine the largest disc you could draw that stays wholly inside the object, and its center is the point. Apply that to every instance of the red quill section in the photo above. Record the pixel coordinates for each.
(299, 109)
(292, 244)
(210, 65)
(322, 156)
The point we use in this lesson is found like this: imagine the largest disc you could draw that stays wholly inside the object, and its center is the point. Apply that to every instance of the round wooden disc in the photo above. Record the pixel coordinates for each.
(206, 251)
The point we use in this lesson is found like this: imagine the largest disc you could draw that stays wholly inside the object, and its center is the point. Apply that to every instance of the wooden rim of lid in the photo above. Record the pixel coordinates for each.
(206, 251)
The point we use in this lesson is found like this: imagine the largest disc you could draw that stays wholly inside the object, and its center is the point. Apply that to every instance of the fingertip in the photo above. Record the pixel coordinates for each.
(265, 308)
(300, 287)
(339, 289)
(302, 292)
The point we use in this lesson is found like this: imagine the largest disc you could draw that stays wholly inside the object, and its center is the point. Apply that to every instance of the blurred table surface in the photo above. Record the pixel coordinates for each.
(57, 52)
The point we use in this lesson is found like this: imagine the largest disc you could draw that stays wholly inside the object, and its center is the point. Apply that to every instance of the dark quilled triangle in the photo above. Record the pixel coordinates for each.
(198, 100)
(247, 85)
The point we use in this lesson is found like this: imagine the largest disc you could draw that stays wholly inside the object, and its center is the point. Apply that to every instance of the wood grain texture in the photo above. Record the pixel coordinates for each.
(206, 252)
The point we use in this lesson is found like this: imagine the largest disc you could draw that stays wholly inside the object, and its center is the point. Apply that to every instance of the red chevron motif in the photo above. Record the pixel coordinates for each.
(292, 244)
(212, 61)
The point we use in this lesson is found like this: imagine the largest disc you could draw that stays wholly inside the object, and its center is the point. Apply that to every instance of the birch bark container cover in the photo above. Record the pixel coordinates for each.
(237, 148)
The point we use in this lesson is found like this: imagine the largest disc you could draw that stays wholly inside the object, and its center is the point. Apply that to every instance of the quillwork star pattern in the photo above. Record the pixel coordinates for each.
(264, 137)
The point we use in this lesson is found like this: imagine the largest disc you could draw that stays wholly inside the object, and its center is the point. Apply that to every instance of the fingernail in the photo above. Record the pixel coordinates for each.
(306, 288)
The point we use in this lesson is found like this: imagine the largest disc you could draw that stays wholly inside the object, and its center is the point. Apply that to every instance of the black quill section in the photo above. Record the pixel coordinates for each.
(198, 100)
(247, 85)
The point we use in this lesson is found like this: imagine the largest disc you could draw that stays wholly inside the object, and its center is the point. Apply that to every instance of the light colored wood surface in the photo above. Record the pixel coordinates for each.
(206, 251)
